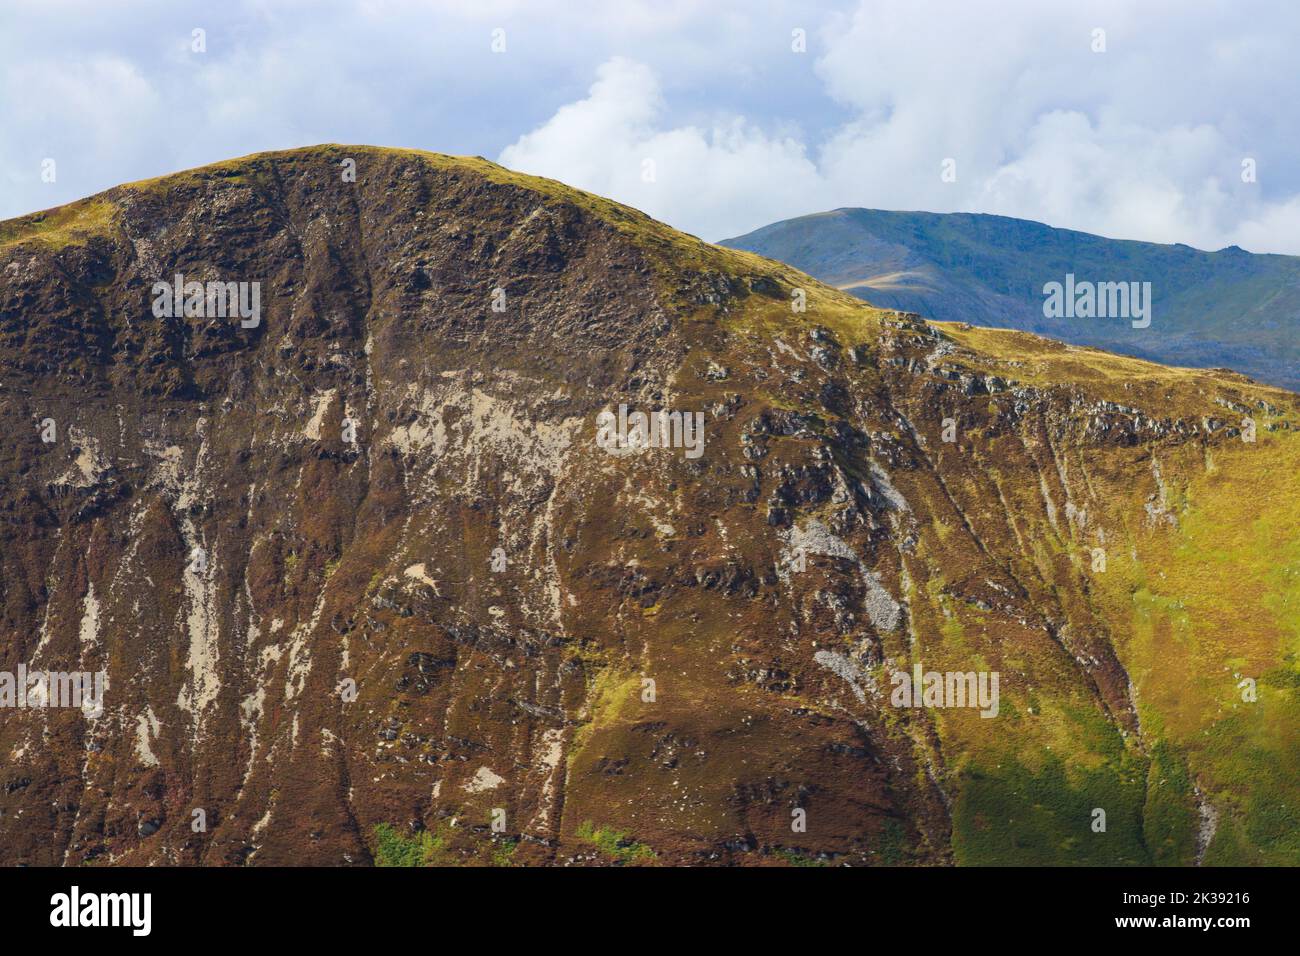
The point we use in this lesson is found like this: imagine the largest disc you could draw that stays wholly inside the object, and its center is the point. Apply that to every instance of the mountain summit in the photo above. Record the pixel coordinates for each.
(368, 479)
(1206, 309)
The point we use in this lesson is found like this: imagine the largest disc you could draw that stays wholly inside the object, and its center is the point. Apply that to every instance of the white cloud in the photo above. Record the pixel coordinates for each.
(611, 142)
(1142, 141)
(103, 100)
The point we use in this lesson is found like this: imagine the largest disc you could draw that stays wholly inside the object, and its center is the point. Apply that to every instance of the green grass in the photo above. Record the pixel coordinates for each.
(795, 858)
(615, 845)
(1011, 815)
(393, 849)
(1169, 816)
(894, 850)
(63, 225)
(503, 852)
(1207, 602)
(442, 846)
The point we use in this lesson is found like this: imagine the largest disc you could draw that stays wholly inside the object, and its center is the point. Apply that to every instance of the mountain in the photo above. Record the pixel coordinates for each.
(374, 580)
(1230, 308)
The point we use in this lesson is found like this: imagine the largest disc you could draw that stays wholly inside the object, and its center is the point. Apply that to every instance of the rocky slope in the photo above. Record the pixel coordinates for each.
(434, 620)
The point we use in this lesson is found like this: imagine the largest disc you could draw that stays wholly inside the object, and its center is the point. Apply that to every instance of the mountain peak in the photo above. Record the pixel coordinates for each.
(452, 514)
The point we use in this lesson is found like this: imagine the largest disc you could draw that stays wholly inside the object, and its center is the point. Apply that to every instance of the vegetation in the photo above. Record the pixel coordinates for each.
(1228, 307)
(1121, 690)
(393, 849)
(616, 845)
(442, 846)
(795, 858)
(59, 227)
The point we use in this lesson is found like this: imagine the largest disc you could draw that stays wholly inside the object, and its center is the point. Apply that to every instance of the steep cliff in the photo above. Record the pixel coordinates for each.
(364, 583)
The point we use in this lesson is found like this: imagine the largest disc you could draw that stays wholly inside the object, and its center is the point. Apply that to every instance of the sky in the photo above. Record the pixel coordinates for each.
(1162, 121)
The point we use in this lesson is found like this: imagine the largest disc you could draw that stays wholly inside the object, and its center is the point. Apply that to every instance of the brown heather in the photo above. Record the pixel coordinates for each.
(523, 689)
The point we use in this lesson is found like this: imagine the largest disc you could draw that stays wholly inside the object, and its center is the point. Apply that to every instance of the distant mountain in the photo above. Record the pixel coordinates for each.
(1230, 308)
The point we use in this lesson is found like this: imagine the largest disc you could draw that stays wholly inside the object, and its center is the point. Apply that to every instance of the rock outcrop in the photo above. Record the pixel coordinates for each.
(363, 571)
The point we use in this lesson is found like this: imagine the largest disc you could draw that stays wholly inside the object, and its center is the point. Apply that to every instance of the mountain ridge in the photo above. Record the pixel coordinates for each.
(499, 589)
(1213, 309)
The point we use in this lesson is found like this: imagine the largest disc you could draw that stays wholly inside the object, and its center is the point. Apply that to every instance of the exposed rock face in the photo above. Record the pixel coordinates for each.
(365, 563)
